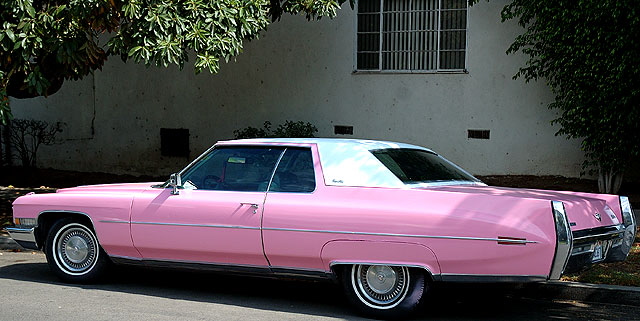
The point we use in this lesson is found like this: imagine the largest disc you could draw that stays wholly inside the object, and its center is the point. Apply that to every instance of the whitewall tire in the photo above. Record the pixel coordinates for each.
(384, 291)
(73, 252)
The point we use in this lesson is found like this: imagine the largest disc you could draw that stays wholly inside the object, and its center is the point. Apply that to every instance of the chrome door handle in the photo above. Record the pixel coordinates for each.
(254, 206)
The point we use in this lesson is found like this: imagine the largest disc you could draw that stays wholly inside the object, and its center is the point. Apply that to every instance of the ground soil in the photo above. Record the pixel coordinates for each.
(560, 183)
(36, 177)
(17, 181)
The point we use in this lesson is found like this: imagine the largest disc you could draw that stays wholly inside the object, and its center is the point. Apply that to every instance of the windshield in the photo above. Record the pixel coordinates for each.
(415, 166)
(247, 168)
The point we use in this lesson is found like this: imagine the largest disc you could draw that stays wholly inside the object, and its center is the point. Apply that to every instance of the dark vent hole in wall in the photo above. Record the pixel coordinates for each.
(174, 142)
(343, 130)
(478, 133)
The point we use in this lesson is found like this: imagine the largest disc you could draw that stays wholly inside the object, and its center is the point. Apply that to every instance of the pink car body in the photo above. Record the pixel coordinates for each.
(357, 213)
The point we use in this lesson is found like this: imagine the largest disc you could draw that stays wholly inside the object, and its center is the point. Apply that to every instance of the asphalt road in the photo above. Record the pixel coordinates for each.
(31, 292)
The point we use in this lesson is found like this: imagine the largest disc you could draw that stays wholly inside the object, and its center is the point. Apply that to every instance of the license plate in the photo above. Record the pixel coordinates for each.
(597, 252)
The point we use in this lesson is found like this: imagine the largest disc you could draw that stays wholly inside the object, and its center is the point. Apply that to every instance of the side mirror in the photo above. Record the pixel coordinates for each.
(175, 181)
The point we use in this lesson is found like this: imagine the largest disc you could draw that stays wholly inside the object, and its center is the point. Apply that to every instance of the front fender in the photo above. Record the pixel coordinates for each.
(109, 214)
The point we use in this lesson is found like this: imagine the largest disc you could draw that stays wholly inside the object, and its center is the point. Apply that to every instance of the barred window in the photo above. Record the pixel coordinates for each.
(411, 35)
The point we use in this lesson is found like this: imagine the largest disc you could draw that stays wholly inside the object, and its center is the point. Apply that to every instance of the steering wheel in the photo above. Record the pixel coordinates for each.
(211, 182)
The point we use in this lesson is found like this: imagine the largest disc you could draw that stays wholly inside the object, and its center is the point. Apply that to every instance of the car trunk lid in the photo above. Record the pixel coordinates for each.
(584, 210)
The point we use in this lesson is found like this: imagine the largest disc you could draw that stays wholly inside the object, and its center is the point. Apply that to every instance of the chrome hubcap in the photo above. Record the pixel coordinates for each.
(380, 286)
(76, 249)
(381, 278)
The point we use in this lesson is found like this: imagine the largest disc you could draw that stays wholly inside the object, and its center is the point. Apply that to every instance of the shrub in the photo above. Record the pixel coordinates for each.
(289, 129)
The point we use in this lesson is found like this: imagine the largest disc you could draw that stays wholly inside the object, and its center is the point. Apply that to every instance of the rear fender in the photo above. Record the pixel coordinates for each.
(344, 252)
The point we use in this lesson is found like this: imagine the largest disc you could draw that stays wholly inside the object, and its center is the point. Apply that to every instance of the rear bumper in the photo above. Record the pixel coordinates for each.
(24, 236)
(604, 244)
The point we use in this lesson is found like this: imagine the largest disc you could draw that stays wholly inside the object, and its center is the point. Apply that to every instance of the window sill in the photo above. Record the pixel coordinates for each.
(369, 72)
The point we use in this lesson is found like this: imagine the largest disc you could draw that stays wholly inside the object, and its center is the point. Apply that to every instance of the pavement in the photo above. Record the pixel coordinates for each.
(159, 295)
(582, 292)
(6, 243)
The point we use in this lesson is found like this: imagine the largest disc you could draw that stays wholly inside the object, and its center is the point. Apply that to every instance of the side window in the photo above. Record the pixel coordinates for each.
(245, 169)
(295, 172)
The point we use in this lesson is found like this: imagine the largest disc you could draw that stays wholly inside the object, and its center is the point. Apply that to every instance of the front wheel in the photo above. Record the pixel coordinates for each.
(384, 291)
(73, 252)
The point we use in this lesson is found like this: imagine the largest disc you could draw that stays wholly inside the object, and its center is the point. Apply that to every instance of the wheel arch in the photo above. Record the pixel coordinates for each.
(338, 266)
(46, 219)
(339, 254)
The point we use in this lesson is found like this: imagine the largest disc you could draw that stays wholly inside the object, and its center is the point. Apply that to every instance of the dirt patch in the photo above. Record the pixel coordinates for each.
(560, 183)
(556, 183)
(17, 181)
(8, 195)
(35, 178)
(619, 273)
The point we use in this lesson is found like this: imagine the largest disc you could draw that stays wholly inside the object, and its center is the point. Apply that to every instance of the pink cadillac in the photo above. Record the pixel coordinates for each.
(385, 219)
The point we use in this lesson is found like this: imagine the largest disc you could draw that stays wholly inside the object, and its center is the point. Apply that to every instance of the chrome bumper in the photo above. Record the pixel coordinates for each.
(25, 236)
(576, 250)
(604, 244)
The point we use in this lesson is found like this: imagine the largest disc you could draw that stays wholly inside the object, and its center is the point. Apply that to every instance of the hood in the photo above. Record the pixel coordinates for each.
(107, 188)
(584, 210)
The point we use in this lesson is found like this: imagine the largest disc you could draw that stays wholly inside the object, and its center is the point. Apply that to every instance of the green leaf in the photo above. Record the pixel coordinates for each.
(59, 9)
(30, 10)
(134, 50)
(10, 34)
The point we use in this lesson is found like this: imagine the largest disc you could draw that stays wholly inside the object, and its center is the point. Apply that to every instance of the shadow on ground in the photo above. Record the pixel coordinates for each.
(445, 302)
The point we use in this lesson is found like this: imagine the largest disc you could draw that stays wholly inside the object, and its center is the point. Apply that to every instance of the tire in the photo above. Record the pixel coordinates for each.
(384, 291)
(73, 252)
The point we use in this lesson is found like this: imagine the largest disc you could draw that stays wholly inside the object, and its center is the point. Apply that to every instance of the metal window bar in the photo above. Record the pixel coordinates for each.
(381, 38)
(413, 35)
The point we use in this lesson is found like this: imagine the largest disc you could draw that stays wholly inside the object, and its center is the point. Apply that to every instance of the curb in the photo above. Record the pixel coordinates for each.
(584, 292)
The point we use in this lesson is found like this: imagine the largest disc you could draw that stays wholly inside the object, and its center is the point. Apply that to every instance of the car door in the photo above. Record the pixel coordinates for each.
(216, 215)
(294, 211)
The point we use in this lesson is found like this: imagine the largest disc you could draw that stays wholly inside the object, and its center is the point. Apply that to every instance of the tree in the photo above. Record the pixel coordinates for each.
(589, 54)
(44, 42)
(27, 135)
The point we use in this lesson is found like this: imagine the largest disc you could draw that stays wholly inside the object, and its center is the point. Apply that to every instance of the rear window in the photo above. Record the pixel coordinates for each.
(414, 166)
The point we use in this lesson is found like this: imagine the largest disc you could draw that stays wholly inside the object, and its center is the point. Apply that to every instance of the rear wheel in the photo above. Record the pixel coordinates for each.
(384, 291)
(73, 252)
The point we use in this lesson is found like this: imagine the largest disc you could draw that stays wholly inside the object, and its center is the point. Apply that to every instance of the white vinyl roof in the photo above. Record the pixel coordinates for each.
(345, 162)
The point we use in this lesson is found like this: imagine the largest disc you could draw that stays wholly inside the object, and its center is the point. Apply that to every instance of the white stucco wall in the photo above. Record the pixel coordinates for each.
(301, 70)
